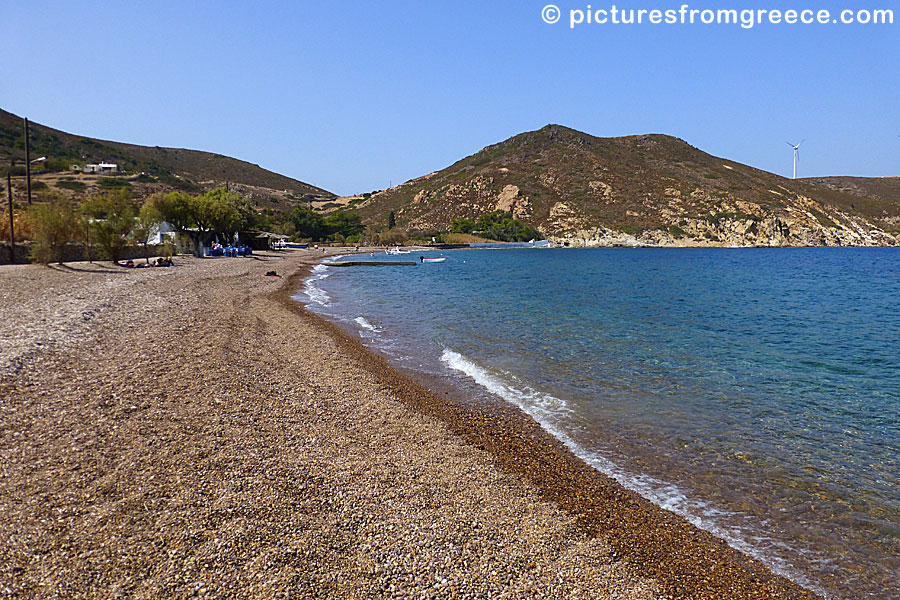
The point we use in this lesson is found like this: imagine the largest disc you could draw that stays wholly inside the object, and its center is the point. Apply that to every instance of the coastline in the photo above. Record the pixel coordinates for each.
(663, 546)
(216, 438)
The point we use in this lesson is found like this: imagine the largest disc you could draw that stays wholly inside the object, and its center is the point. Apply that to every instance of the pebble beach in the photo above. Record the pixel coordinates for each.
(195, 432)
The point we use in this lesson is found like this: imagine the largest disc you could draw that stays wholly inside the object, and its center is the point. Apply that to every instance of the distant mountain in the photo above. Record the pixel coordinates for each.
(164, 167)
(646, 189)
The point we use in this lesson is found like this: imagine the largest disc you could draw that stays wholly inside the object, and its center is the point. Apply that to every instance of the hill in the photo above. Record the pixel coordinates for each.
(879, 188)
(582, 190)
(146, 169)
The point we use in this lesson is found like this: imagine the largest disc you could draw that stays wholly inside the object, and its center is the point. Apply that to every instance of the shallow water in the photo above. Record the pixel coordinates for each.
(755, 392)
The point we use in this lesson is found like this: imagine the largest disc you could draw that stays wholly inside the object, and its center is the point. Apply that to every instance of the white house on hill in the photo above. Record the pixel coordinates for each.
(97, 168)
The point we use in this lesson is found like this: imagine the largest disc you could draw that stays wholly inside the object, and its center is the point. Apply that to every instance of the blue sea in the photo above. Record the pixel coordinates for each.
(756, 392)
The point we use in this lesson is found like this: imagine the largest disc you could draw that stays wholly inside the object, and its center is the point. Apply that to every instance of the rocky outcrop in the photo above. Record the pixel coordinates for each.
(803, 230)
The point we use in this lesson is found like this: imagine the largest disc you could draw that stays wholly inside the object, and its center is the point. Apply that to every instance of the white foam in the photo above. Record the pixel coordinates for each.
(361, 321)
(316, 294)
(513, 392)
(551, 413)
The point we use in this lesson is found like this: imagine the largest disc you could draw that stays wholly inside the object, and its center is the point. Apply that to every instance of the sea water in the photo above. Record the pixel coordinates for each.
(756, 392)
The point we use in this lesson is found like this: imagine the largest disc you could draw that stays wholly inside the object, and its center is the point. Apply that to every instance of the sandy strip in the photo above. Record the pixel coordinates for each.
(194, 432)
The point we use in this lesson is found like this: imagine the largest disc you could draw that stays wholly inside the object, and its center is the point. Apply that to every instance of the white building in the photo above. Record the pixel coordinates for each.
(161, 233)
(100, 168)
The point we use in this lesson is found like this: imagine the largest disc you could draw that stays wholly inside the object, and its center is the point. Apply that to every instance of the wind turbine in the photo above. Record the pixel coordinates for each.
(796, 155)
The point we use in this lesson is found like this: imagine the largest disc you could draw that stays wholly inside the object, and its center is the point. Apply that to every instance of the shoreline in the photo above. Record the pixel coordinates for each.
(657, 542)
(197, 431)
(783, 518)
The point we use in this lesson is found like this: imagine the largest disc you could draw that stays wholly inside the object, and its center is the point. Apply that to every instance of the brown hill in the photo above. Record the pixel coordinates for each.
(646, 189)
(162, 168)
(879, 188)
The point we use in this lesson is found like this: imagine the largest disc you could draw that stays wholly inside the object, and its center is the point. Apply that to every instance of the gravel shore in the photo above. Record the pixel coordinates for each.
(193, 432)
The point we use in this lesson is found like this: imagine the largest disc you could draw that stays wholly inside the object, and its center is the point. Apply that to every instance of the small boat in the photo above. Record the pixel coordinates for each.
(397, 250)
(432, 259)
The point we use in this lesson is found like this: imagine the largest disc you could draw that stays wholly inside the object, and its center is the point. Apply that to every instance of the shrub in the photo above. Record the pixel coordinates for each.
(823, 219)
(394, 237)
(16, 171)
(75, 186)
(110, 183)
(184, 185)
(166, 249)
(54, 223)
(21, 226)
(52, 165)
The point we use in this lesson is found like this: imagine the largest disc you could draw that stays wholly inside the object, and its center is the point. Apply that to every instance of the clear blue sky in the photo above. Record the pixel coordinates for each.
(352, 95)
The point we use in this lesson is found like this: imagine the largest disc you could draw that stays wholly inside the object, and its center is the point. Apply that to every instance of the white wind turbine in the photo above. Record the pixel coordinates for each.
(796, 155)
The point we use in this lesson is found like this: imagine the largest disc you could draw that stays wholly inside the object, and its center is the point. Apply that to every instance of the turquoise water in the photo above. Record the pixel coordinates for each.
(754, 391)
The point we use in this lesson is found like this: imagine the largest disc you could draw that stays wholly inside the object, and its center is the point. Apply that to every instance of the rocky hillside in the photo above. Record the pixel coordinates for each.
(878, 188)
(146, 169)
(648, 189)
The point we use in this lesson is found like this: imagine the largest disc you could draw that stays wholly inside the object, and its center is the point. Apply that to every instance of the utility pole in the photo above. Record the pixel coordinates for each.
(12, 235)
(28, 160)
(87, 235)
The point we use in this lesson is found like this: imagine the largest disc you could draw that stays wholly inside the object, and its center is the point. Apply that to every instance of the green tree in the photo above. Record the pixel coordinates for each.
(285, 228)
(112, 218)
(147, 224)
(308, 224)
(500, 225)
(216, 211)
(249, 218)
(344, 224)
(54, 223)
(462, 226)
(199, 217)
(175, 208)
(392, 220)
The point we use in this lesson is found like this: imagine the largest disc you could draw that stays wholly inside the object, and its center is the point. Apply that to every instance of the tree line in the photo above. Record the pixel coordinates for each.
(112, 220)
(498, 225)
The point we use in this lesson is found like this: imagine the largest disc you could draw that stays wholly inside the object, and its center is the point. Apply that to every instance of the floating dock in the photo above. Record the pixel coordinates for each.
(371, 263)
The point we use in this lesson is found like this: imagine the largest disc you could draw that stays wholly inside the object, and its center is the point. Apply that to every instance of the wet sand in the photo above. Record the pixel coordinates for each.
(195, 432)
